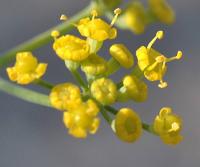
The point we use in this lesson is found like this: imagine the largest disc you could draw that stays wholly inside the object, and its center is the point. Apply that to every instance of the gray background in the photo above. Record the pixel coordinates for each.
(34, 136)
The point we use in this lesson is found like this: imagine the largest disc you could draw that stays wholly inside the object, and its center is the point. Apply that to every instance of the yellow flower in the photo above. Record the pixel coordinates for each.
(81, 119)
(134, 88)
(153, 63)
(104, 91)
(96, 28)
(168, 126)
(26, 68)
(162, 10)
(135, 17)
(65, 96)
(72, 48)
(94, 65)
(127, 125)
(122, 55)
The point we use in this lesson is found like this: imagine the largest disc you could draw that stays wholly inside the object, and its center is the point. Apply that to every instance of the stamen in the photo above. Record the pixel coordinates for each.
(117, 12)
(177, 57)
(63, 17)
(175, 127)
(159, 35)
(94, 14)
(162, 84)
(55, 34)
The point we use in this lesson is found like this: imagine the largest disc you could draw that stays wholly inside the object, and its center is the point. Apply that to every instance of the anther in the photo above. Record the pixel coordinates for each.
(63, 17)
(117, 12)
(159, 35)
(55, 34)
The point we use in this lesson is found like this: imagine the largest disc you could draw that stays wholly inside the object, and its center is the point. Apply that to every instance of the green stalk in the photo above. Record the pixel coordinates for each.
(43, 38)
(79, 79)
(24, 94)
(43, 83)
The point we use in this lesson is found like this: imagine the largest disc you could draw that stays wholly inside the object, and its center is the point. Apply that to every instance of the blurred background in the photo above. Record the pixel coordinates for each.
(34, 136)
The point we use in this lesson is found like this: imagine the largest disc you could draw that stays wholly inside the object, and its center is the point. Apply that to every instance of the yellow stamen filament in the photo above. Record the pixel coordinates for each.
(63, 17)
(94, 14)
(159, 35)
(55, 34)
(175, 127)
(177, 57)
(117, 12)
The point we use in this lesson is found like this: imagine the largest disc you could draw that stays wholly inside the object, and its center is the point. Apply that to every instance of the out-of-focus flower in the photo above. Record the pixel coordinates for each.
(135, 17)
(71, 48)
(104, 91)
(96, 28)
(127, 125)
(65, 96)
(168, 126)
(26, 69)
(153, 63)
(82, 119)
(162, 11)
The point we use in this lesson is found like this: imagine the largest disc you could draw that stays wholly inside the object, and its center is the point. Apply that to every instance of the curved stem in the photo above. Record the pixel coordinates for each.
(44, 37)
(24, 94)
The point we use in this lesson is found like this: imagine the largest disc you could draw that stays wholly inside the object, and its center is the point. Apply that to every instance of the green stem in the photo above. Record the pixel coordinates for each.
(24, 94)
(43, 38)
(79, 79)
(145, 126)
(105, 115)
(148, 128)
(44, 84)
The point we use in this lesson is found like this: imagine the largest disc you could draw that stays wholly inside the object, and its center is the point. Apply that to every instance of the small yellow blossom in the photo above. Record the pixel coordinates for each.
(104, 90)
(65, 96)
(135, 17)
(96, 28)
(72, 48)
(55, 34)
(162, 10)
(122, 55)
(134, 88)
(168, 126)
(94, 65)
(82, 119)
(127, 125)
(153, 63)
(26, 68)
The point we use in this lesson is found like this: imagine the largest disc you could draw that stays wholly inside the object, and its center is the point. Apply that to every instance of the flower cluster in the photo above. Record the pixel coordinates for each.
(136, 17)
(81, 106)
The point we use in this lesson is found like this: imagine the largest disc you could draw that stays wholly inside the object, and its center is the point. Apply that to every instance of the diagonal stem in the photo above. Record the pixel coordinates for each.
(43, 38)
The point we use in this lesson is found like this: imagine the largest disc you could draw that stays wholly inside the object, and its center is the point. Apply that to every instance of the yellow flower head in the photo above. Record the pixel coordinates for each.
(127, 125)
(96, 28)
(104, 90)
(153, 63)
(94, 65)
(72, 48)
(162, 10)
(82, 119)
(135, 88)
(26, 68)
(122, 55)
(135, 17)
(65, 96)
(168, 126)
